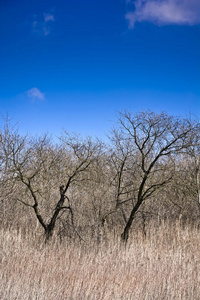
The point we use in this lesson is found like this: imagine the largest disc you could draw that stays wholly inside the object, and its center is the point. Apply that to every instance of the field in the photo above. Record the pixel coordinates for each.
(164, 265)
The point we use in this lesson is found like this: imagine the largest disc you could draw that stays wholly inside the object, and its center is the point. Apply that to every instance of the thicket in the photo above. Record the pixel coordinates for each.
(81, 189)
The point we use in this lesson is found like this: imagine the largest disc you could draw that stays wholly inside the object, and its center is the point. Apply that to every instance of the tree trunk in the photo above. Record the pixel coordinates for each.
(50, 227)
(198, 180)
(48, 234)
(125, 234)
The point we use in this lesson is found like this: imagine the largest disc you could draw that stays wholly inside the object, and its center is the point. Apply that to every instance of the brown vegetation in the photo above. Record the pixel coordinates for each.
(80, 188)
(66, 208)
(166, 265)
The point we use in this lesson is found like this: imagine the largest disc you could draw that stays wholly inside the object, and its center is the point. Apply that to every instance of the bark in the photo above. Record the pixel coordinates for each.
(125, 234)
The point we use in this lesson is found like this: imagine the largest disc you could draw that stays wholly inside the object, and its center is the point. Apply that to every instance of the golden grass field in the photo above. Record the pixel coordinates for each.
(165, 265)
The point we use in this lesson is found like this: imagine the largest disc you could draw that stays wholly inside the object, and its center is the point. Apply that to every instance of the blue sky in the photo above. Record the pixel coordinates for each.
(73, 64)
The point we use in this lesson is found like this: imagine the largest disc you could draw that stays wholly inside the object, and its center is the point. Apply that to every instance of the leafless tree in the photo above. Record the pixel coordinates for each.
(155, 141)
(40, 167)
(194, 153)
(74, 186)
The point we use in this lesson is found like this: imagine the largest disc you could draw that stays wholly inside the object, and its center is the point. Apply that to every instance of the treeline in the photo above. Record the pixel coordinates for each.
(84, 188)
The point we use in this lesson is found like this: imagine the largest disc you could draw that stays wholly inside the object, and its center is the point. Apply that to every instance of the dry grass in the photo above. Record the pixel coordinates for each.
(164, 266)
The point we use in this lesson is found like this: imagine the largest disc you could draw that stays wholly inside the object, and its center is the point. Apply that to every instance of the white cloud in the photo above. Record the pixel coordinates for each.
(165, 12)
(46, 30)
(43, 27)
(48, 17)
(35, 94)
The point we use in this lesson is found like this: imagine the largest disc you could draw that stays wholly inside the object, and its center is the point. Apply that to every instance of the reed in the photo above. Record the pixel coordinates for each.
(164, 265)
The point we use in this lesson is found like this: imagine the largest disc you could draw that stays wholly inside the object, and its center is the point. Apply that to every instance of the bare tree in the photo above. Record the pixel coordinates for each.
(194, 153)
(74, 186)
(156, 140)
(6, 170)
(40, 168)
(121, 177)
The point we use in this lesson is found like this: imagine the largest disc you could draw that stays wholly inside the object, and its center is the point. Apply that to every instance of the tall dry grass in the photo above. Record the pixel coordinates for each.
(165, 265)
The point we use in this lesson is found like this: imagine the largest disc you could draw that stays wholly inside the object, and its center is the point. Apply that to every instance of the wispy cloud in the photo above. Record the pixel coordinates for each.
(48, 17)
(35, 94)
(43, 27)
(165, 12)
